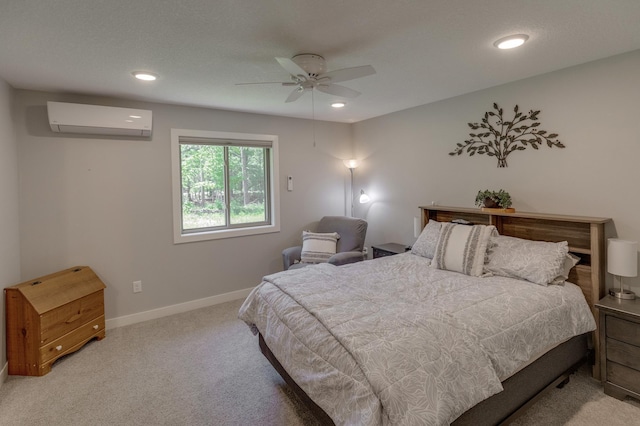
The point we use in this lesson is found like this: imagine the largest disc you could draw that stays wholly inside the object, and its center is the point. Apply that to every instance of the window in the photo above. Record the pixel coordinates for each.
(224, 184)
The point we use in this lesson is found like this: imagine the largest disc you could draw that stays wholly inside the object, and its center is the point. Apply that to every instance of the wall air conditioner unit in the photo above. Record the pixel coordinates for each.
(98, 120)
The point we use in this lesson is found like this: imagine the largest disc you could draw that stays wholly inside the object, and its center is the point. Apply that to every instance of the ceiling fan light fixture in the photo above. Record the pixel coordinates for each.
(338, 104)
(511, 41)
(144, 75)
(312, 64)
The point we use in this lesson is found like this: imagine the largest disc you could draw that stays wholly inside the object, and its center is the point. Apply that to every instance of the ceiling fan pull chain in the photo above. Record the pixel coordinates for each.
(313, 117)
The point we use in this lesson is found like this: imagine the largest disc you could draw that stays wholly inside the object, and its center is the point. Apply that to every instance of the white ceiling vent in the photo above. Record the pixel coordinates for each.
(98, 120)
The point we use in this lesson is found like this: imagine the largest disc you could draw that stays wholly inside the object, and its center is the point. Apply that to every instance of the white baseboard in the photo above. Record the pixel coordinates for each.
(4, 373)
(176, 309)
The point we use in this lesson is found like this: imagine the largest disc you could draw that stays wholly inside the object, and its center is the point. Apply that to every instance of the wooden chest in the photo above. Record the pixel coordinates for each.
(52, 316)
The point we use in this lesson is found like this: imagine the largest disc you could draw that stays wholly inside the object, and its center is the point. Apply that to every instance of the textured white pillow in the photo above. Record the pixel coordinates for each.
(425, 245)
(537, 261)
(462, 248)
(570, 261)
(318, 247)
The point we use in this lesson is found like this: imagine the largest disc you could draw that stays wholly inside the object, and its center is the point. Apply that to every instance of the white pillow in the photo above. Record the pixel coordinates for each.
(570, 261)
(537, 261)
(318, 247)
(462, 248)
(425, 245)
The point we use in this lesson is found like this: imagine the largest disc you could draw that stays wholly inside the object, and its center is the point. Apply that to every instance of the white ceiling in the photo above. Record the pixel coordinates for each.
(422, 50)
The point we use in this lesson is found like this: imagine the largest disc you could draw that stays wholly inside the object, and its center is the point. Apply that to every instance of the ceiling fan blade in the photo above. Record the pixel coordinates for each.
(295, 95)
(345, 74)
(337, 90)
(267, 82)
(292, 68)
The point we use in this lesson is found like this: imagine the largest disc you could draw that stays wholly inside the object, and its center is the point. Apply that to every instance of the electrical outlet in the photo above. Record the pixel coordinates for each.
(137, 286)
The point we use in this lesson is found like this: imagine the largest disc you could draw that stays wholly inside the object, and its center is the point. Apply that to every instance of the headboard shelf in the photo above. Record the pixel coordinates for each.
(584, 234)
(531, 215)
(579, 250)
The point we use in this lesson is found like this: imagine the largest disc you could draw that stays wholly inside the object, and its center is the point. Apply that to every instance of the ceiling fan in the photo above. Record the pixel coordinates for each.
(308, 72)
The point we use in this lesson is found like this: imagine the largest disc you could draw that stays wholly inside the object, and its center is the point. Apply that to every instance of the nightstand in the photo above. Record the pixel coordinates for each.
(388, 249)
(620, 346)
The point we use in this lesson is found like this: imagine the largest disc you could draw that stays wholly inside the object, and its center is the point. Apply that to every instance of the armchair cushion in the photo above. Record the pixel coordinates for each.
(346, 257)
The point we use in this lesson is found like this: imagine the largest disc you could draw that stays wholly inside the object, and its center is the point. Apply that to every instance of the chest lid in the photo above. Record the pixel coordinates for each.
(54, 290)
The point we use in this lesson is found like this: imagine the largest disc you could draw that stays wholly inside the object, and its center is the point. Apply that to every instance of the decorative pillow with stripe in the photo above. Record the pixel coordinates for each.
(318, 247)
(462, 248)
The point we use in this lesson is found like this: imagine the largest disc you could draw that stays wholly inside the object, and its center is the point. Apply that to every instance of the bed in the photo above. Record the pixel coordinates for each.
(395, 341)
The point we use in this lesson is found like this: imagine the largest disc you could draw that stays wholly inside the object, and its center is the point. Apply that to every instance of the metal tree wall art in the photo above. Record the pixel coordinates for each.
(499, 137)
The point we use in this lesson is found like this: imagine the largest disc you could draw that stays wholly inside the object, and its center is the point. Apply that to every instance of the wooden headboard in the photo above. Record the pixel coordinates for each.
(585, 236)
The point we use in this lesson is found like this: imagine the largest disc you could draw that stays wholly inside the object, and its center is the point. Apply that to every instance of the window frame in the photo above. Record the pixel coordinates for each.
(230, 231)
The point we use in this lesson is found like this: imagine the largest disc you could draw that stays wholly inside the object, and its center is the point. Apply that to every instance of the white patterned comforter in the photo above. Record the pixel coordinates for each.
(394, 342)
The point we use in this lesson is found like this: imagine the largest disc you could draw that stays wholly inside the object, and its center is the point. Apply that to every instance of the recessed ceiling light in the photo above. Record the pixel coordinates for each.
(338, 104)
(135, 116)
(511, 41)
(145, 76)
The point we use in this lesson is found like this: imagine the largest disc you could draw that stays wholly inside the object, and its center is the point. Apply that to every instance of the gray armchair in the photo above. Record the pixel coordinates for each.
(349, 248)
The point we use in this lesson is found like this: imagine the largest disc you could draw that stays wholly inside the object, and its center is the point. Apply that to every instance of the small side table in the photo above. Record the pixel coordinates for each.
(620, 346)
(388, 249)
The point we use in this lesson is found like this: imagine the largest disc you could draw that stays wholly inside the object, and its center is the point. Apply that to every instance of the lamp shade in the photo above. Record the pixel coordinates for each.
(351, 164)
(622, 257)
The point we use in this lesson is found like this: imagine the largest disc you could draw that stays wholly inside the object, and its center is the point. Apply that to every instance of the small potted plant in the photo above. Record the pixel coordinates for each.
(494, 200)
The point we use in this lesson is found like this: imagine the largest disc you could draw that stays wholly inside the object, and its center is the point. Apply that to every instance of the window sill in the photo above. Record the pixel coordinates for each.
(225, 233)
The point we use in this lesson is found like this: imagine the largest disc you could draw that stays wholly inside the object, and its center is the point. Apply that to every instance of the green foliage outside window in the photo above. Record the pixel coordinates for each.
(206, 185)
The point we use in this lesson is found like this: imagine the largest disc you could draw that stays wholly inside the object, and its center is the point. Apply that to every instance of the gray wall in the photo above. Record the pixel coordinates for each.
(9, 230)
(593, 107)
(106, 202)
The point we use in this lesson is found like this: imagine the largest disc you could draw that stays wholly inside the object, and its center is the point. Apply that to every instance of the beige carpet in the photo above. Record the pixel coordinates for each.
(204, 368)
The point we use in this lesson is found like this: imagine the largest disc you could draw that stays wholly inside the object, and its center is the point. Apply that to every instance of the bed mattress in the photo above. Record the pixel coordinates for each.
(393, 341)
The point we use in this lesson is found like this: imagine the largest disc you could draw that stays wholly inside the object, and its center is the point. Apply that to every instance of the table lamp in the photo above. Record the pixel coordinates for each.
(622, 261)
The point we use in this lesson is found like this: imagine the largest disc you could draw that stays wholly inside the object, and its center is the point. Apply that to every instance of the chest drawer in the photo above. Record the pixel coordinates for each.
(70, 340)
(623, 330)
(623, 353)
(626, 377)
(60, 321)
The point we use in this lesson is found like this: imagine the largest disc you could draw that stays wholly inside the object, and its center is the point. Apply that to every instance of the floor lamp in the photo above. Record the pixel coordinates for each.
(622, 261)
(351, 164)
